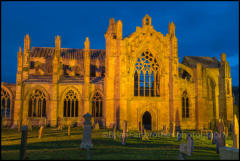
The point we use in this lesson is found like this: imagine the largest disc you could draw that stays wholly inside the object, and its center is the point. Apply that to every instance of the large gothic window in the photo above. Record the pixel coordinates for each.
(211, 89)
(37, 104)
(70, 104)
(185, 105)
(5, 104)
(97, 105)
(147, 76)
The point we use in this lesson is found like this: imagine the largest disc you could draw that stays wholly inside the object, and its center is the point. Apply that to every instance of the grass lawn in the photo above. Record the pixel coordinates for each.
(57, 145)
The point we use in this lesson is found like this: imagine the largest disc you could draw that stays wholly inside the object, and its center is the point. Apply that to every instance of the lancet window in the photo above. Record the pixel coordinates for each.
(97, 105)
(5, 104)
(70, 104)
(185, 105)
(147, 76)
(37, 104)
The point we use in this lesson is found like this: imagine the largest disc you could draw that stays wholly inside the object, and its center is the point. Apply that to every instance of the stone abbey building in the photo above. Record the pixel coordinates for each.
(136, 78)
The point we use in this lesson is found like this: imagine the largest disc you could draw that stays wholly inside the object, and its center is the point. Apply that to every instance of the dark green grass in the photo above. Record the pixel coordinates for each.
(57, 145)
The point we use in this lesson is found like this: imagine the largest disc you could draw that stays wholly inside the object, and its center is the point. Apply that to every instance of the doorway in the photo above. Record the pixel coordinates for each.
(147, 121)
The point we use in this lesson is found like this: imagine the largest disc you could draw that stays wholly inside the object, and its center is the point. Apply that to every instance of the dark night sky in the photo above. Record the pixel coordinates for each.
(202, 28)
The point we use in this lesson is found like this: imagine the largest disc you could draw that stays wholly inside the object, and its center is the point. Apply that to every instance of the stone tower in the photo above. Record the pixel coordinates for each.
(113, 39)
(225, 91)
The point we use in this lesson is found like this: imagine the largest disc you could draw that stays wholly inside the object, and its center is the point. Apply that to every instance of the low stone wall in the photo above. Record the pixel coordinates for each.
(227, 153)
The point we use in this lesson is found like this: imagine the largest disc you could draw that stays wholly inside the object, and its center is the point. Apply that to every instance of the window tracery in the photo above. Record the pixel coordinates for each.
(185, 105)
(147, 76)
(5, 104)
(70, 104)
(97, 105)
(37, 104)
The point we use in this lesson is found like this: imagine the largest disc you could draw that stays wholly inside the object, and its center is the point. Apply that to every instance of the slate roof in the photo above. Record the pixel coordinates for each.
(66, 53)
(207, 62)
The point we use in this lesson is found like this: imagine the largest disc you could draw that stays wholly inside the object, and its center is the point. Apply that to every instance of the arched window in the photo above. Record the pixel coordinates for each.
(5, 104)
(37, 104)
(147, 76)
(147, 21)
(228, 88)
(211, 89)
(70, 104)
(185, 105)
(97, 105)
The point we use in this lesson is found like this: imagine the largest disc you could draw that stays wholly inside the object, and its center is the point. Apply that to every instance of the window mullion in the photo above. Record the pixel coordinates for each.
(139, 73)
(154, 73)
(144, 83)
(149, 85)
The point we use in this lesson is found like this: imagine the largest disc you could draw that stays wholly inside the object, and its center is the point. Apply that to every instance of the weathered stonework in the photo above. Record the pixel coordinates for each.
(107, 83)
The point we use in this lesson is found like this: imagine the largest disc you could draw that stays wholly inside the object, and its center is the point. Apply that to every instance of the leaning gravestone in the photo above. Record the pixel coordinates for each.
(124, 134)
(40, 132)
(87, 133)
(235, 133)
(23, 147)
(189, 145)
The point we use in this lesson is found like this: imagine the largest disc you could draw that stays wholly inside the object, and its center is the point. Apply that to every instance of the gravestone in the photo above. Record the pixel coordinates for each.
(40, 132)
(209, 135)
(30, 125)
(114, 132)
(145, 135)
(235, 132)
(23, 147)
(179, 136)
(93, 122)
(189, 145)
(172, 130)
(220, 141)
(226, 131)
(69, 127)
(164, 130)
(19, 125)
(96, 126)
(183, 151)
(124, 134)
(221, 126)
(60, 126)
(69, 130)
(214, 138)
(87, 133)
(140, 127)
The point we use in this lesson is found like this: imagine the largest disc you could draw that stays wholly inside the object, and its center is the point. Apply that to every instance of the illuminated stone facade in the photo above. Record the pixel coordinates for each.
(137, 78)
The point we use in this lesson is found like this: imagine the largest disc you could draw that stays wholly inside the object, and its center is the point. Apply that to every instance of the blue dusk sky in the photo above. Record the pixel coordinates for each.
(202, 28)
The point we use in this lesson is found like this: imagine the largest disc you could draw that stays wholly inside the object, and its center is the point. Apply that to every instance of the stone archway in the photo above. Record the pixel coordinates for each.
(147, 121)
